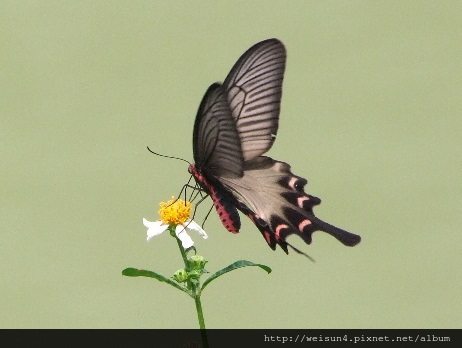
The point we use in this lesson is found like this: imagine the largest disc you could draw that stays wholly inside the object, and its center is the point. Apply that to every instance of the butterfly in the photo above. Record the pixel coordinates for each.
(236, 124)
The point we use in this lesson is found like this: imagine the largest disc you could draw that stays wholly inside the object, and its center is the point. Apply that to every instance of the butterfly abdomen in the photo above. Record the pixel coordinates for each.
(223, 202)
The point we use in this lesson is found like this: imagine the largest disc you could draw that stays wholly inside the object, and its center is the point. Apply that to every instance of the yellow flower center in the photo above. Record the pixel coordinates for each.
(175, 212)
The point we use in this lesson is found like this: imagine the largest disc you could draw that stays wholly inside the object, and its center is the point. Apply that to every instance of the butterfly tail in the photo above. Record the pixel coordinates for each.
(345, 237)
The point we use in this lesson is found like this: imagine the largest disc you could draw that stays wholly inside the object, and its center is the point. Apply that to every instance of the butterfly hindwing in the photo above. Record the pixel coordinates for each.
(278, 203)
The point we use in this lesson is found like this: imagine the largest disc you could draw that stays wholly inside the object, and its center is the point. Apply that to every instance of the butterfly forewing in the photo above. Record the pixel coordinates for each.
(254, 89)
(217, 147)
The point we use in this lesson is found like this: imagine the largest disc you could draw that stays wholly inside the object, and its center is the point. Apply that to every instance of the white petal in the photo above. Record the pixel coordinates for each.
(148, 223)
(192, 225)
(182, 235)
(154, 228)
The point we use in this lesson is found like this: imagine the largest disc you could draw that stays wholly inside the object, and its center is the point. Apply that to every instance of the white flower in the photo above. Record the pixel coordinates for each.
(157, 227)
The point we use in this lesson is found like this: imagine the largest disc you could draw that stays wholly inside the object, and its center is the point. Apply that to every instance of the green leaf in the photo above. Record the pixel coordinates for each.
(232, 267)
(134, 272)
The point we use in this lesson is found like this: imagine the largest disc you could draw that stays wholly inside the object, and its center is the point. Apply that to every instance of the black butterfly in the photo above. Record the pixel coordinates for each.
(236, 124)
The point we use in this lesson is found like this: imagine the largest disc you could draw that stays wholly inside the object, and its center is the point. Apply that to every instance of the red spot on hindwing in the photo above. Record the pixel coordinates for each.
(301, 201)
(279, 229)
(267, 237)
(303, 224)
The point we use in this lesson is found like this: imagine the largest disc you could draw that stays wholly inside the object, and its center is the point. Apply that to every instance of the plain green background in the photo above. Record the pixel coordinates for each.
(371, 116)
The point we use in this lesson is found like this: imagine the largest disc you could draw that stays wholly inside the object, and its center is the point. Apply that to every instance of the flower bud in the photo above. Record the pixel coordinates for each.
(197, 262)
(180, 276)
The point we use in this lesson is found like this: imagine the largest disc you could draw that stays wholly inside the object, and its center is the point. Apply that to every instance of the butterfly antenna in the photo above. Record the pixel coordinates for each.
(172, 157)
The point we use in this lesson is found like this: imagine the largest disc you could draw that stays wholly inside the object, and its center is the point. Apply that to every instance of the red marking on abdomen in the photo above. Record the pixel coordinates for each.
(224, 215)
(225, 218)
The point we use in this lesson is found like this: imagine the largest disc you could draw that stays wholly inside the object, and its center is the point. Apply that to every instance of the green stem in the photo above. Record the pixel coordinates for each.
(180, 246)
(195, 290)
(200, 317)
